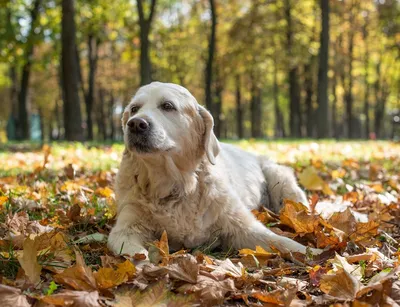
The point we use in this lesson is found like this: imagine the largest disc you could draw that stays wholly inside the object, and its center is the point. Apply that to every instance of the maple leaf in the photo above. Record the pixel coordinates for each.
(296, 216)
(159, 251)
(340, 284)
(28, 260)
(108, 277)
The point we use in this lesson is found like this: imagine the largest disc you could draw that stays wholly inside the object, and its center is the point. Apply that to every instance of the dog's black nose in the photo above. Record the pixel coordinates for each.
(138, 125)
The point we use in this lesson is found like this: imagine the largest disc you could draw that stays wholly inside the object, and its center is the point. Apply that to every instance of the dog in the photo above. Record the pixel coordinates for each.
(176, 176)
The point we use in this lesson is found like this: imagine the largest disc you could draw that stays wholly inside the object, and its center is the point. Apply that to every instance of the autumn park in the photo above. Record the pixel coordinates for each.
(199, 153)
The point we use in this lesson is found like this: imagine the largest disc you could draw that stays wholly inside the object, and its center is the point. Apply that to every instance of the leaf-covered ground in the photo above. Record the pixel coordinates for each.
(57, 208)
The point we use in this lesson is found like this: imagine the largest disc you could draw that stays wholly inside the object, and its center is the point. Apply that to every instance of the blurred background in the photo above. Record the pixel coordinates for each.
(265, 68)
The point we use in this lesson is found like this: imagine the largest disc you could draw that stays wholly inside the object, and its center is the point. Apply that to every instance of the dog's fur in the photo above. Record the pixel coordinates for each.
(179, 178)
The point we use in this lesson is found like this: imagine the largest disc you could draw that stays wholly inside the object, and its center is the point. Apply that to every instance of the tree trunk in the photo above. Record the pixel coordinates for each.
(366, 83)
(322, 118)
(145, 27)
(294, 90)
(70, 74)
(334, 107)
(309, 85)
(349, 88)
(12, 121)
(210, 59)
(217, 113)
(239, 109)
(381, 94)
(93, 47)
(256, 111)
(23, 116)
(279, 124)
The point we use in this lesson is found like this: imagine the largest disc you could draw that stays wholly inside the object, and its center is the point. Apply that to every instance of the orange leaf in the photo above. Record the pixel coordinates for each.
(341, 284)
(295, 215)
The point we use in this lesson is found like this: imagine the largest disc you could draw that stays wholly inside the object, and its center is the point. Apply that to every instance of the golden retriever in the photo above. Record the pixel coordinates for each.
(176, 176)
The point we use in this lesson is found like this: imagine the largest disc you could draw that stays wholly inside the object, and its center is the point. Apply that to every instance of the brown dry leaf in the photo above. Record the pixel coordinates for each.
(28, 260)
(295, 215)
(159, 252)
(12, 297)
(79, 277)
(344, 221)
(281, 297)
(365, 231)
(325, 240)
(264, 216)
(128, 268)
(184, 267)
(310, 180)
(340, 284)
(316, 274)
(209, 289)
(73, 299)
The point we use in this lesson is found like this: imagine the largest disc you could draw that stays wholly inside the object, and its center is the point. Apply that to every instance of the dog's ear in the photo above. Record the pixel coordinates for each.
(211, 145)
(125, 117)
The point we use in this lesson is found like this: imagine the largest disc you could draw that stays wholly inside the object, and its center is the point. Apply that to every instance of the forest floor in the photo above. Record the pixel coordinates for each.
(57, 207)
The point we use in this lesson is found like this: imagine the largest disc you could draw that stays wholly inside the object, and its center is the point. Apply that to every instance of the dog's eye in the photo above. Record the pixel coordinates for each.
(134, 109)
(167, 106)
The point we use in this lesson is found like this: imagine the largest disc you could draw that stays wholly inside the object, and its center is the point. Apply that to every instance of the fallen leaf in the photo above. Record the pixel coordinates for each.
(73, 299)
(295, 215)
(12, 297)
(29, 262)
(79, 277)
(310, 180)
(209, 289)
(340, 284)
(184, 267)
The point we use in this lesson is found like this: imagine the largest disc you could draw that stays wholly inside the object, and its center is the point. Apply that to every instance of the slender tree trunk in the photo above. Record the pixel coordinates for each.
(349, 88)
(12, 121)
(217, 113)
(294, 89)
(322, 118)
(210, 58)
(366, 82)
(334, 107)
(70, 74)
(145, 27)
(381, 94)
(256, 110)
(279, 124)
(309, 85)
(93, 47)
(239, 109)
(23, 116)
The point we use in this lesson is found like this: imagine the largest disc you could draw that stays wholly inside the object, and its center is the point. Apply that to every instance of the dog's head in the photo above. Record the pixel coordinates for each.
(165, 119)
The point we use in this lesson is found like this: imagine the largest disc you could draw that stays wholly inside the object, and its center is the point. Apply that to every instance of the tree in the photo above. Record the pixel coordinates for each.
(70, 74)
(145, 27)
(294, 90)
(23, 116)
(322, 118)
(210, 58)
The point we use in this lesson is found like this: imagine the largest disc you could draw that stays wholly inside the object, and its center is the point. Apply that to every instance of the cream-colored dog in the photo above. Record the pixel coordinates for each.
(176, 176)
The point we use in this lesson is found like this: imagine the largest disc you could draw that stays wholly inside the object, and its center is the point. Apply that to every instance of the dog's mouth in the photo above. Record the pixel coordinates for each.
(145, 145)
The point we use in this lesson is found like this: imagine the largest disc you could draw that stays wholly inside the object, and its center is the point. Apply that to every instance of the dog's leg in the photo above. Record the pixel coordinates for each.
(126, 236)
(242, 230)
(281, 184)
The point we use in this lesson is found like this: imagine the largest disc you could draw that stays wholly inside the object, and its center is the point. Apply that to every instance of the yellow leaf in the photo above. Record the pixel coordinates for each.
(28, 260)
(163, 244)
(107, 278)
(104, 192)
(310, 179)
(127, 267)
(3, 200)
